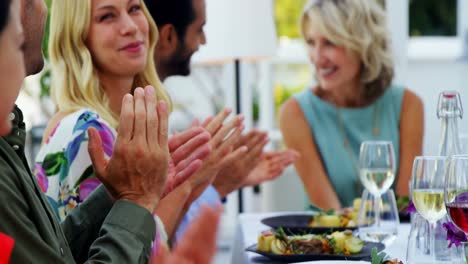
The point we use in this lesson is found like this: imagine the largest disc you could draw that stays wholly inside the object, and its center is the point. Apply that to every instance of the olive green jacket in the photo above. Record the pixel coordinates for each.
(97, 231)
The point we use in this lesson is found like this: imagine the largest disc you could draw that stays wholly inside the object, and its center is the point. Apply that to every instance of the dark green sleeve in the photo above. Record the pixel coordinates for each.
(19, 220)
(126, 236)
(81, 227)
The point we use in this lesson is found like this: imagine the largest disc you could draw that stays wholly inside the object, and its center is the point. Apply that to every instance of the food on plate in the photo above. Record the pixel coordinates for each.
(343, 243)
(345, 218)
(264, 240)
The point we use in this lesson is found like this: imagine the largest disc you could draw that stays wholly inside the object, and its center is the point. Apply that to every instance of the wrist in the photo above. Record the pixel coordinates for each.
(186, 188)
(149, 203)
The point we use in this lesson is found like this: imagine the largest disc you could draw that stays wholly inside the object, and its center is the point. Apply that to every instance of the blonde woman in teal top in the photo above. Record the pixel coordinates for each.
(353, 101)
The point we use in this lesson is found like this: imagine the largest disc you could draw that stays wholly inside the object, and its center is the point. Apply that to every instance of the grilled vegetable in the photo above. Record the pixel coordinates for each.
(353, 245)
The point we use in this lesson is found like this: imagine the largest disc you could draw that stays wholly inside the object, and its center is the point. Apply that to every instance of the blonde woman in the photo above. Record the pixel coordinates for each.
(354, 100)
(99, 51)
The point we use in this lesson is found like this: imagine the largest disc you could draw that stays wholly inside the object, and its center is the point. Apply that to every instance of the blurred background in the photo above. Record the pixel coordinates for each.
(430, 45)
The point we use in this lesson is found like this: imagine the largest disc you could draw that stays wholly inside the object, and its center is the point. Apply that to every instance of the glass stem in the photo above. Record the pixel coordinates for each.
(377, 200)
(464, 246)
(432, 234)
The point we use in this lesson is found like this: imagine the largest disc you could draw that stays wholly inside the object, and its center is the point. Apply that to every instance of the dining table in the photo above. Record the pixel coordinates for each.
(249, 227)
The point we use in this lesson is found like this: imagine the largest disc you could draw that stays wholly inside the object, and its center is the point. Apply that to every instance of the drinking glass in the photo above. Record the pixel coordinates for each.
(456, 192)
(377, 170)
(418, 250)
(463, 140)
(386, 229)
(427, 182)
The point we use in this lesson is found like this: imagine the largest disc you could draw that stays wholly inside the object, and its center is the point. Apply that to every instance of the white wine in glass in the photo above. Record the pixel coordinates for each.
(430, 203)
(377, 181)
(377, 170)
(427, 183)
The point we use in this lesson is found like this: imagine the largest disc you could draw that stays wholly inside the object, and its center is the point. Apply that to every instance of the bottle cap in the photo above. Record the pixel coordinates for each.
(449, 105)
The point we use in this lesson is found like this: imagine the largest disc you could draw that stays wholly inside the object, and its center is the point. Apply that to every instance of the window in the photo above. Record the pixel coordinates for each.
(433, 18)
(435, 28)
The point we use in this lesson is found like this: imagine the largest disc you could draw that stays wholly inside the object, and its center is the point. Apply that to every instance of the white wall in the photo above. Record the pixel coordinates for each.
(428, 79)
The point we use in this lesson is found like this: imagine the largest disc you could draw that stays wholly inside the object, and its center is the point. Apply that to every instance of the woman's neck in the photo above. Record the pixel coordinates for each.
(349, 96)
(115, 88)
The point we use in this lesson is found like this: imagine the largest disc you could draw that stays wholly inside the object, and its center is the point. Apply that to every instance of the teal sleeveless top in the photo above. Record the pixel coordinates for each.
(358, 124)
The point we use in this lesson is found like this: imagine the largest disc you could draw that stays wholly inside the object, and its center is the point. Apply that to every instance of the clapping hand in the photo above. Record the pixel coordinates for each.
(223, 145)
(233, 175)
(137, 170)
(270, 167)
(187, 149)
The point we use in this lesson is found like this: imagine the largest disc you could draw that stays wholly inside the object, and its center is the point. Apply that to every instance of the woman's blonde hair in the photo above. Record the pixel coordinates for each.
(360, 27)
(75, 84)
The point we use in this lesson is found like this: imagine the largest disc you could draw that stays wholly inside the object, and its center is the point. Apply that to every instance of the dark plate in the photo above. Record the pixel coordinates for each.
(298, 224)
(404, 217)
(364, 255)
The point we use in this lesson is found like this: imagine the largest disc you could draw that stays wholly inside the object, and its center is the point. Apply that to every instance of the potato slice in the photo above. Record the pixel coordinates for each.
(278, 246)
(264, 242)
(328, 221)
(353, 245)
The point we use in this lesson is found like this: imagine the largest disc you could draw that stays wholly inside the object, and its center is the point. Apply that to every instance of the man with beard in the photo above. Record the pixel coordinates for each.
(180, 25)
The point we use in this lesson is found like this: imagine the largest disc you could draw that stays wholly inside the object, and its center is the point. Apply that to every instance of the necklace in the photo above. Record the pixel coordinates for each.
(347, 145)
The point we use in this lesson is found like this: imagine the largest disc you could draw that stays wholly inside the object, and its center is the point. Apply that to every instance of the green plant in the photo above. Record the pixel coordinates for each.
(287, 15)
(45, 76)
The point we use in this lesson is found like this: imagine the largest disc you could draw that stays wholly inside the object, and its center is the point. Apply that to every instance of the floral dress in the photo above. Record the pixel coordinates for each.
(63, 166)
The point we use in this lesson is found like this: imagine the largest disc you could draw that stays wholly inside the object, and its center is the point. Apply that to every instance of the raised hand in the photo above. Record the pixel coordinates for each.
(138, 167)
(223, 144)
(270, 167)
(189, 250)
(233, 174)
(187, 150)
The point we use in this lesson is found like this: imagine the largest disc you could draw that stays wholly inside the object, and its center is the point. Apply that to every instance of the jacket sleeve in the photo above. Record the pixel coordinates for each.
(126, 236)
(18, 221)
(81, 226)
(99, 230)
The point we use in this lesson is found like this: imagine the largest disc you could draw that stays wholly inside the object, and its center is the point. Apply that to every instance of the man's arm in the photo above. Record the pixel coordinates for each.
(23, 218)
(126, 236)
(38, 239)
(81, 227)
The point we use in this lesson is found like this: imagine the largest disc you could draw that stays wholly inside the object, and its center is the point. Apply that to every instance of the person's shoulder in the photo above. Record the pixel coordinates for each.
(59, 122)
(411, 99)
(290, 109)
(405, 96)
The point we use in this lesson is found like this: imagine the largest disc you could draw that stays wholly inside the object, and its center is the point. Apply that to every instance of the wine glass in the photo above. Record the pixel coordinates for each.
(418, 249)
(427, 182)
(377, 170)
(456, 192)
(387, 230)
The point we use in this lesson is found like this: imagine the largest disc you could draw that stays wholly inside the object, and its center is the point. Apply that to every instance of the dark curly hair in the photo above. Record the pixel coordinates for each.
(4, 13)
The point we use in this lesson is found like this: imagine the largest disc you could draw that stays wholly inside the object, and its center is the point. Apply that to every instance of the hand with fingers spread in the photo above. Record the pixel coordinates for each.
(233, 174)
(137, 170)
(270, 167)
(187, 149)
(188, 251)
(223, 144)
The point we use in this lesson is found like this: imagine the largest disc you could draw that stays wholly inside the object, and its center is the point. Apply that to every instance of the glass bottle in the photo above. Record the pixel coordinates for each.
(449, 110)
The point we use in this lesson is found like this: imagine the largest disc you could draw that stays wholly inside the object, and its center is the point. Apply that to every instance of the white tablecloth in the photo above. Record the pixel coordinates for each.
(249, 227)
